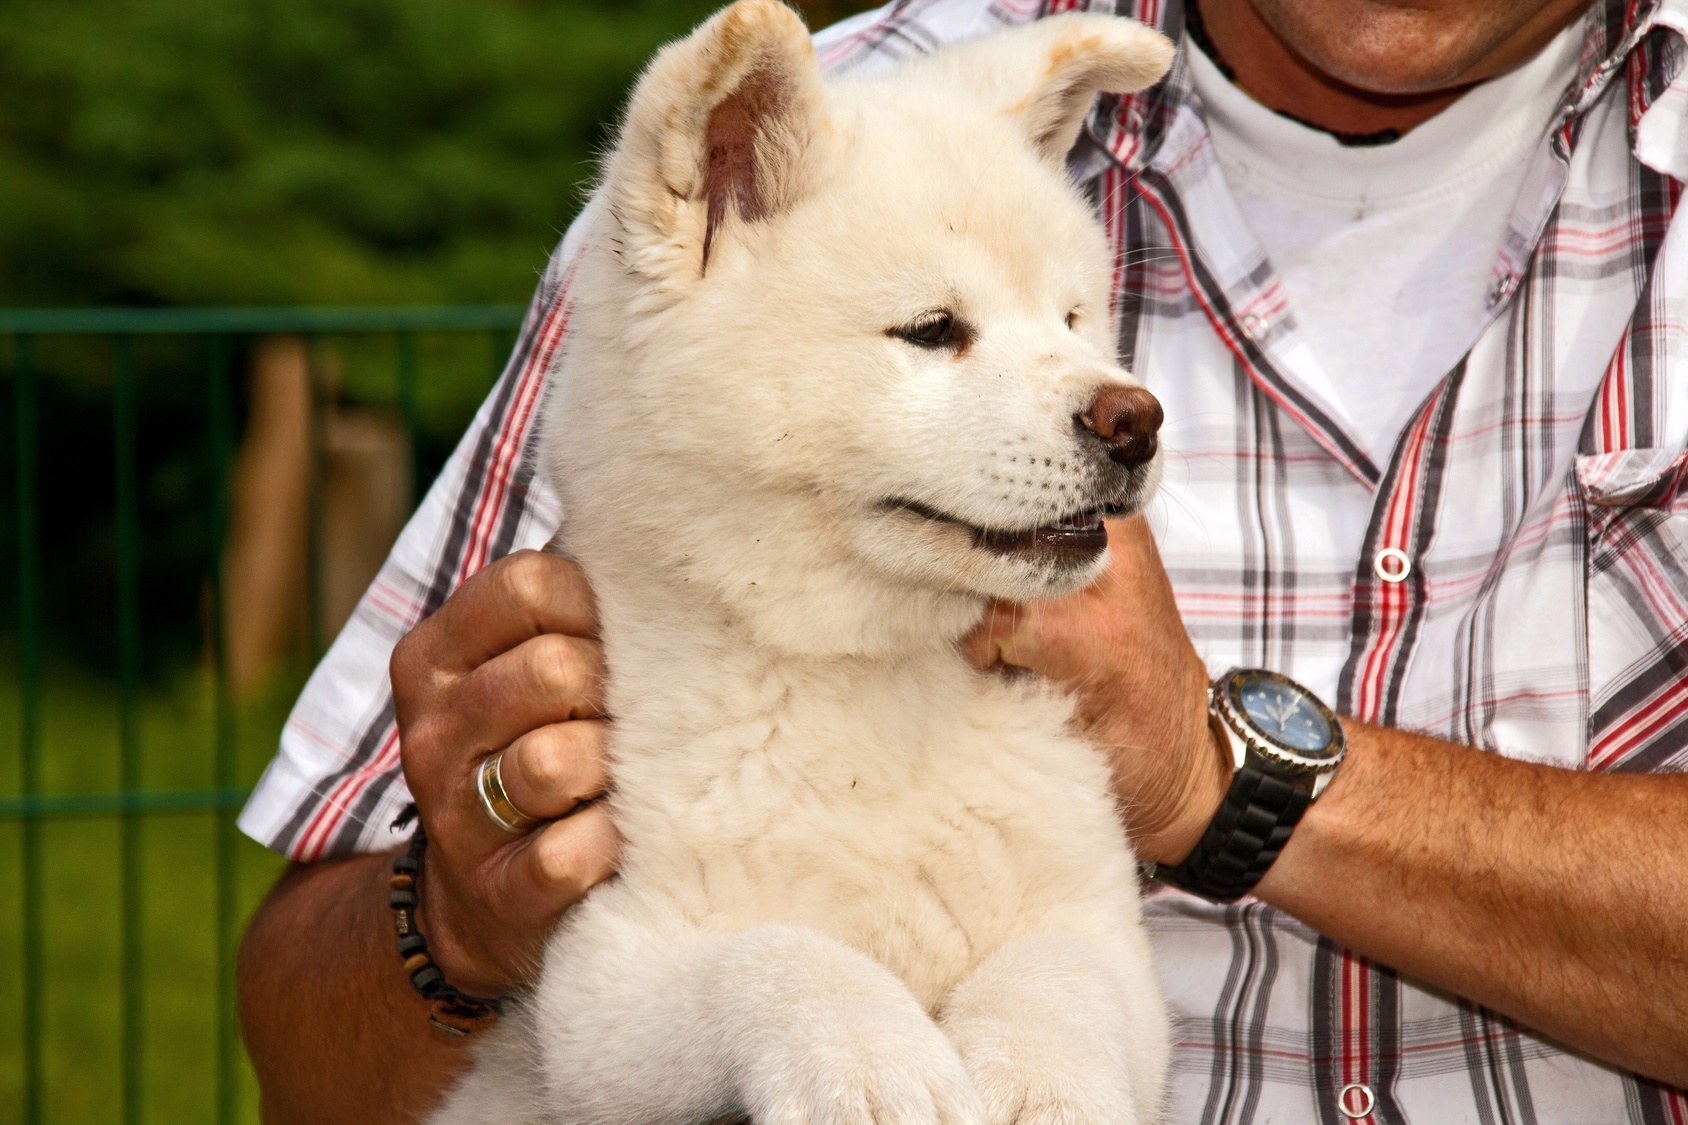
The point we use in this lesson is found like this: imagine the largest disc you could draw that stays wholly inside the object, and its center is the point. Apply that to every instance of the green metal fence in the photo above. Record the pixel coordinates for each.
(62, 1069)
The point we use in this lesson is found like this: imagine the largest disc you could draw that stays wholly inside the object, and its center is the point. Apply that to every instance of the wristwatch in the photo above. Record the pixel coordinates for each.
(1286, 745)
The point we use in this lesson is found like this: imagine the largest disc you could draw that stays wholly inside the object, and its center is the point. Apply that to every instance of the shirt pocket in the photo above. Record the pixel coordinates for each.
(1646, 479)
(1636, 591)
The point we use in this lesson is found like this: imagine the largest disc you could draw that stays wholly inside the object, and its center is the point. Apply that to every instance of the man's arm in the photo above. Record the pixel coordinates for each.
(1558, 898)
(1554, 897)
(333, 1028)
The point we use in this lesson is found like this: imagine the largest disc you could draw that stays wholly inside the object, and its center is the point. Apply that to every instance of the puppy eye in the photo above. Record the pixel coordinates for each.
(1072, 319)
(933, 331)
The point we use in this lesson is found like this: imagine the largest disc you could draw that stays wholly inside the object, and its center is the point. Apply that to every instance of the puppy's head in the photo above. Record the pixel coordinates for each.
(859, 331)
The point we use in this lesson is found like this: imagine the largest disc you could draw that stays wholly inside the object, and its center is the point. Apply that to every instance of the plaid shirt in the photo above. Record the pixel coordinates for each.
(1538, 502)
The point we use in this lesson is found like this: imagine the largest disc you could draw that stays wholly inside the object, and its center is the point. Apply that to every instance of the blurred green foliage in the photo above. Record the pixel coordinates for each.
(306, 151)
(250, 152)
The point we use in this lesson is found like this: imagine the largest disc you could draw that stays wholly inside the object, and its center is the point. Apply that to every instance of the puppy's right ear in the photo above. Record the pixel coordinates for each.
(726, 127)
(1045, 75)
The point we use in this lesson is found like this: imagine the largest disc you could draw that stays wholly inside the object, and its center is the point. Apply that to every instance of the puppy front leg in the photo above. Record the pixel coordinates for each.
(779, 1022)
(1059, 1029)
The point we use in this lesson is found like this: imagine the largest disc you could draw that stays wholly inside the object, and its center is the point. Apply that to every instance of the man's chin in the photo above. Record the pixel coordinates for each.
(1391, 49)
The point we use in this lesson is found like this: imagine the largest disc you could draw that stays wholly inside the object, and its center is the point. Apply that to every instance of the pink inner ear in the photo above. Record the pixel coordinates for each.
(730, 142)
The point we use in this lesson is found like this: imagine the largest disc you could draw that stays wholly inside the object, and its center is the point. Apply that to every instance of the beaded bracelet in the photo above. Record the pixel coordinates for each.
(451, 1012)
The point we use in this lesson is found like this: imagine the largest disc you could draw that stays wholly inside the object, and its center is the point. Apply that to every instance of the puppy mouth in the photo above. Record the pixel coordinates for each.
(1074, 538)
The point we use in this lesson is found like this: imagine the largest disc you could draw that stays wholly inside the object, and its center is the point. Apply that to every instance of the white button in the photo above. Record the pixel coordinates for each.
(1254, 327)
(1502, 290)
(1392, 565)
(1356, 1101)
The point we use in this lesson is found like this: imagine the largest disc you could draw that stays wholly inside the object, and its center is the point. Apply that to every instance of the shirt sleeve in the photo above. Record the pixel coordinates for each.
(334, 786)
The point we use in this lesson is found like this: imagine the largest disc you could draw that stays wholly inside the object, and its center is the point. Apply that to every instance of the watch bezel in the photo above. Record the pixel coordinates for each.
(1228, 706)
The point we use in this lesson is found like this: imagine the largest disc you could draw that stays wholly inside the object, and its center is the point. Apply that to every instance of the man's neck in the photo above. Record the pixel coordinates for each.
(1274, 74)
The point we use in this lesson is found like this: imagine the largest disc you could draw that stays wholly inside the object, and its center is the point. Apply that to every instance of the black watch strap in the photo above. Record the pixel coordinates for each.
(1247, 833)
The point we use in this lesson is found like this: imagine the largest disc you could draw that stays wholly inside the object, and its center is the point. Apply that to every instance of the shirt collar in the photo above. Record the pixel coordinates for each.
(1159, 137)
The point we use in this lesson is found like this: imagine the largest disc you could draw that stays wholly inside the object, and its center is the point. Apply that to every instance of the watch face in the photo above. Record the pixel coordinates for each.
(1285, 715)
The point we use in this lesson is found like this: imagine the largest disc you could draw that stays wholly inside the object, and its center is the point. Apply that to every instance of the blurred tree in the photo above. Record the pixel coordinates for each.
(183, 152)
(306, 151)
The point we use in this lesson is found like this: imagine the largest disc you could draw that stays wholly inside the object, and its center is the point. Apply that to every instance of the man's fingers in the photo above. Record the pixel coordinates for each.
(984, 647)
(519, 597)
(564, 860)
(1137, 562)
(544, 680)
(494, 907)
(547, 772)
(1013, 634)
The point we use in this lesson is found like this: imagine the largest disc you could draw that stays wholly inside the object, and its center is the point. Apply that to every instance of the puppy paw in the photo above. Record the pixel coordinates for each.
(867, 1075)
(1053, 1035)
(1015, 1093)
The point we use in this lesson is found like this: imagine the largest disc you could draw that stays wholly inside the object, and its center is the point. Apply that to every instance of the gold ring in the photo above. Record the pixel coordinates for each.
(503, 811)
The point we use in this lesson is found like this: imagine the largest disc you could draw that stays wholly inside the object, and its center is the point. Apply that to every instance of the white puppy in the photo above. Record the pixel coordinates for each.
(840, 370)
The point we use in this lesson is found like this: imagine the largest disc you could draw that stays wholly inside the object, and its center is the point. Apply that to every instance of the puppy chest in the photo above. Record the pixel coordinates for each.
(926, 891)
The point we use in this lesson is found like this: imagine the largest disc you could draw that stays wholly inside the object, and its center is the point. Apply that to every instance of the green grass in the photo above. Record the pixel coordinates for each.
(81, 916)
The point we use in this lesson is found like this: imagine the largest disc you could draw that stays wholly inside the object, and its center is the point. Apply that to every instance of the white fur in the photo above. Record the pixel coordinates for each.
(860, 882)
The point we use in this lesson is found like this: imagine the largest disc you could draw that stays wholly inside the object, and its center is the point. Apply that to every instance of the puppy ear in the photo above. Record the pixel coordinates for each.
(1046, 74)
(726, 125)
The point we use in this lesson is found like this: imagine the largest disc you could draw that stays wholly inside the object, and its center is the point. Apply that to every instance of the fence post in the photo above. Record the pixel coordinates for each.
(228, 886)
(27, 411)
(129, 772)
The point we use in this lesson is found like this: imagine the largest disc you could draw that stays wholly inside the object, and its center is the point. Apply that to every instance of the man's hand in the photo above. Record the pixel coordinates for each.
(1552, 896)
(1121, 648)
(332, 1026)
(510, 664)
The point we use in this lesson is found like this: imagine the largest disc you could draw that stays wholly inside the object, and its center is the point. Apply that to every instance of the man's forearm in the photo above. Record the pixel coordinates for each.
(1557, 898)
(334, 1032)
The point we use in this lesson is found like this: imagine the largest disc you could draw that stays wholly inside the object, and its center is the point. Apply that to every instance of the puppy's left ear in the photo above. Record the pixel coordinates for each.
(1046, 74)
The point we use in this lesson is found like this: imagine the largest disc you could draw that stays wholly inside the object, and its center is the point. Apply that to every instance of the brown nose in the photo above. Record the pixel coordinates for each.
(1126, 419)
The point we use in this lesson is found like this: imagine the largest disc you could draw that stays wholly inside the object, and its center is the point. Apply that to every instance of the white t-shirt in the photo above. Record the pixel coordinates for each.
(1387, 253)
